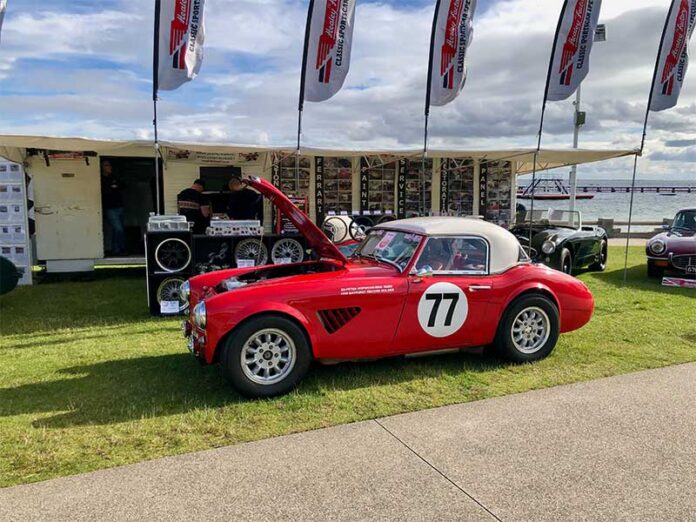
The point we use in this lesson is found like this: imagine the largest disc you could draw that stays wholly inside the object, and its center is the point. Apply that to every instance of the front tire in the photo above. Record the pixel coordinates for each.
(601, 264)
(266, 356)
(529, 329)
(566, 262)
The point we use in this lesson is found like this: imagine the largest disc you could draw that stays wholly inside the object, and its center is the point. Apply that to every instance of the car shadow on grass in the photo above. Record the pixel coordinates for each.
(144, 387)
(637, 278)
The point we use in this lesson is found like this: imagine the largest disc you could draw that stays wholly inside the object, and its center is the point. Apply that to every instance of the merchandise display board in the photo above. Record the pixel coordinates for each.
(283, 225)
(457, 187)
(292, 176)
(417, 187)
(378, 184)
(15, 239)
(495, 196)
(337, 184)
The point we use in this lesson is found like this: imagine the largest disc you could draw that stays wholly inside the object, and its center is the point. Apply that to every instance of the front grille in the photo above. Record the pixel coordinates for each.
(334, 320)
(682, 262)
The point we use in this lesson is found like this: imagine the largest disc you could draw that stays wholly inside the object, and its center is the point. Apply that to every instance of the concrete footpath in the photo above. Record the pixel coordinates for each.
(622, 448)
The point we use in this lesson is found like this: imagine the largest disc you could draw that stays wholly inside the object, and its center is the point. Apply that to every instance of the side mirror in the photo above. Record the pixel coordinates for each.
(665, 226)
(424, 271)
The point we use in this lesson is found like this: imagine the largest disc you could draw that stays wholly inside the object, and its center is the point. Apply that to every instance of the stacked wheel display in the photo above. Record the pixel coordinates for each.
(169, 262)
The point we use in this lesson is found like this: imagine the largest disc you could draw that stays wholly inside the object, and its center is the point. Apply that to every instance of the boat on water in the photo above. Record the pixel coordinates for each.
(548, 189)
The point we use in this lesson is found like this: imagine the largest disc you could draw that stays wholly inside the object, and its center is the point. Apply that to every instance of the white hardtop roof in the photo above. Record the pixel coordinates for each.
(13, 148)
(504, 247)
(442, 226)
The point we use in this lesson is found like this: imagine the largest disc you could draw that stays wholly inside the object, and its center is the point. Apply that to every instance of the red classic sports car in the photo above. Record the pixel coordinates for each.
(413, 286)
(675, 248)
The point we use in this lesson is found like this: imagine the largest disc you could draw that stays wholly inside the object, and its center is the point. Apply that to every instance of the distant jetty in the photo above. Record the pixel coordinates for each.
(555, 189)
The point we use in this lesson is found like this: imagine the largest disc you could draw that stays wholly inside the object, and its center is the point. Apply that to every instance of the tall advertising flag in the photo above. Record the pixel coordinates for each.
(673, 58)
(3, 8)
(328, 43)
(571, 53)
(451, 36)
(179, 38)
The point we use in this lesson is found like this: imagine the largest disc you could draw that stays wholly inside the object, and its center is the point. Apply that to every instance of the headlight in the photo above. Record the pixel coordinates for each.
(657, 246)
(199, 315)
(185, 291)
(549, 247)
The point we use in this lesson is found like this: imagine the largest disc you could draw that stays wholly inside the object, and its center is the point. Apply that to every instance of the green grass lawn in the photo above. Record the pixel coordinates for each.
(88, 380)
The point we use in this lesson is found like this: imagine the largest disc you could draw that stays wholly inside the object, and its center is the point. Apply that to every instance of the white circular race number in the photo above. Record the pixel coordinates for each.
(442, 309)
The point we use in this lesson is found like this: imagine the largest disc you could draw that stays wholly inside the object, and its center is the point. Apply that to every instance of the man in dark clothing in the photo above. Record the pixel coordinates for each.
(244, 203)
(112, 203)
(195, 206)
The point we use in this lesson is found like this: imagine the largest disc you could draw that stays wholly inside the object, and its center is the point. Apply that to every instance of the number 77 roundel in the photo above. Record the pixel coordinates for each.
(442, 309)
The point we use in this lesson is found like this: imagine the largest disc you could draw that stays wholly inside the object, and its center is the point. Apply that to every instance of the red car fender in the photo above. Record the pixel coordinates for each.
(532, 286)
(222, 322)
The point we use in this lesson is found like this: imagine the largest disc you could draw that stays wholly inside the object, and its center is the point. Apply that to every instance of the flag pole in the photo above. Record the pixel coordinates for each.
(428, 91)
(155, 89)
(541, 121)
(642, 142)
(300, 106)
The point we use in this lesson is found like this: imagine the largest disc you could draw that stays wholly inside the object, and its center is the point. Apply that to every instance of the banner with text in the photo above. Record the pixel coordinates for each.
(674, 55)
(571, 51)
(180, 42)
(328, 45)
(452, 34)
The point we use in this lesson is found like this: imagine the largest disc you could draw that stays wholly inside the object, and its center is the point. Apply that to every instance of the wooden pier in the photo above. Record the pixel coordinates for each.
(597, 189)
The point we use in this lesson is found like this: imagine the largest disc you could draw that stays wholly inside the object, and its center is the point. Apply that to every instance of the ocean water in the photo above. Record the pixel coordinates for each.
(646, 207)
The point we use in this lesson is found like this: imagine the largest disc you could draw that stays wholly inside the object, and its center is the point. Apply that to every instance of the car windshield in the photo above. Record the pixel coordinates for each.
(396, 248)
(558, 218)
(685, 220)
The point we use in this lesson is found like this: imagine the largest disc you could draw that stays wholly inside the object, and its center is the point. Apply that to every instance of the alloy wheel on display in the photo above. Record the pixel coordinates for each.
(173, 255)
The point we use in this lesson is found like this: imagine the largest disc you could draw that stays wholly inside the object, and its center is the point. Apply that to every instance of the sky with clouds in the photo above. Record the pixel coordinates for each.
(83, 68)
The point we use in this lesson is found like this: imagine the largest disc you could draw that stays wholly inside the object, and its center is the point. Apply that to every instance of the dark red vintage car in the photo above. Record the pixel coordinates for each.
(675, 248)
(413, 286)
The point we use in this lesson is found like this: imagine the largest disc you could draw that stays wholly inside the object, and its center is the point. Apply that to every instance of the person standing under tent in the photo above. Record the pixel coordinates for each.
(195, 206)
(112, 203)
(243, 203)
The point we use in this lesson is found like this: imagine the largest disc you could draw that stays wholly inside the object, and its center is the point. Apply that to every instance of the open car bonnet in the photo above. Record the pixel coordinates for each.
(316, 239)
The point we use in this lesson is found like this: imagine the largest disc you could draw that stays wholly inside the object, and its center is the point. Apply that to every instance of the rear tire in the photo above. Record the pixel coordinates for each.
(566, 262)
(266, 356)
(529, 329)
(655, 271)
(601, 264)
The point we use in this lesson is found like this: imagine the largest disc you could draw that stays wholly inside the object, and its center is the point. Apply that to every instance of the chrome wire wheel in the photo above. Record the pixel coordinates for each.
(170, 290)
(530, 330)
(287, 249)
(268, 356)
(252, 249)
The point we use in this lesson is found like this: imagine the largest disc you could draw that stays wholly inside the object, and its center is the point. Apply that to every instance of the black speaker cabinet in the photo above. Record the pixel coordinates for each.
(169, 262)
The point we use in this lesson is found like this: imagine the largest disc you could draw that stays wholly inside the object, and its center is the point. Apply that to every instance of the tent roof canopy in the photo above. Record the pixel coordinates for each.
(14, 149)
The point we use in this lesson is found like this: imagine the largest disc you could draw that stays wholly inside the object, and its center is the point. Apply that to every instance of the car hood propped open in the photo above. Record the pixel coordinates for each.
(316, 239)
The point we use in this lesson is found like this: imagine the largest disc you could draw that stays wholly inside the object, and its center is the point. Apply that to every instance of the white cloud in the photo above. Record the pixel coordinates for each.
(248, 87)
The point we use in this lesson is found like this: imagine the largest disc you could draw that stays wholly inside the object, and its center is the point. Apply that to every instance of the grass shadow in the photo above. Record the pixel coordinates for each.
(637, 279)
(132, 389)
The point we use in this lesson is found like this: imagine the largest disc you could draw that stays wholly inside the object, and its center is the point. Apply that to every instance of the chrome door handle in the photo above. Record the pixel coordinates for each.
(477, 288)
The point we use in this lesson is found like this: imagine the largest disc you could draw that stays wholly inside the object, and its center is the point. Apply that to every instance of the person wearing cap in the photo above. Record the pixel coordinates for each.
(243, 203)
(193, 204)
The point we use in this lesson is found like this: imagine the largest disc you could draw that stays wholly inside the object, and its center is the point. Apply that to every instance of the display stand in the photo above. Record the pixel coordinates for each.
(15, 240)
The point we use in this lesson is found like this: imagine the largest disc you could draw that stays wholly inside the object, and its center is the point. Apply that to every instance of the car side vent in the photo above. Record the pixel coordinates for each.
(334, 320)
